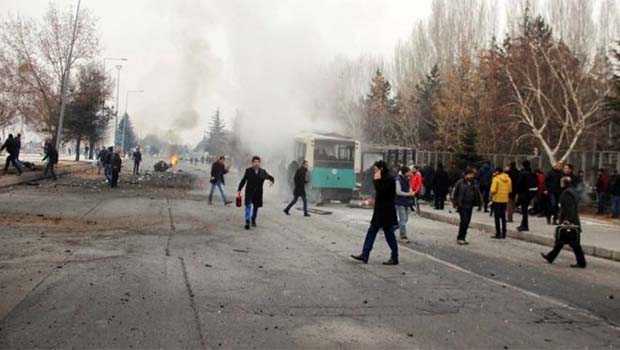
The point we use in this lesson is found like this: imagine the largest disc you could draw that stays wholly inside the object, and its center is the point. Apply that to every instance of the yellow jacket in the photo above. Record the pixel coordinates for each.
(500, 188)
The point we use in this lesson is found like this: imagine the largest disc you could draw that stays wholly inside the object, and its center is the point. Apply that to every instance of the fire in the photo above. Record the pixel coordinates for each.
(174, 160)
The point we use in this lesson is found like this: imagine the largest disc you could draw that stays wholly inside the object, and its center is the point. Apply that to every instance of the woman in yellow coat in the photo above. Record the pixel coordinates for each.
(500, 190)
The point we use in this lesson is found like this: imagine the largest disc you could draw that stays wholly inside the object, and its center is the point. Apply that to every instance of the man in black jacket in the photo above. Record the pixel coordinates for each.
(383, 215)
(300, 180)
(137, 159)
(465, 196)
(51, 155)
(513, 173)
(553, 191)
(527, 185)
(107, 164)
(441, 186)
(569, 215)
(12, 147)
(218, 170)
(254, 177)
(116, 164)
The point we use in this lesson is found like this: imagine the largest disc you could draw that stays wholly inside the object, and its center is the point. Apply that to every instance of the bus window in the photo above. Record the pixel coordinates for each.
(328, 151)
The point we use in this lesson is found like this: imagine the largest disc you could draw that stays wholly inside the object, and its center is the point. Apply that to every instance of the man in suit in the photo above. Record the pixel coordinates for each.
(300, 180)
(253, 180)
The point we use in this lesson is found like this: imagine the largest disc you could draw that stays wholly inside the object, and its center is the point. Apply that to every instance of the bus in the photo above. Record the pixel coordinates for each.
(334, 161)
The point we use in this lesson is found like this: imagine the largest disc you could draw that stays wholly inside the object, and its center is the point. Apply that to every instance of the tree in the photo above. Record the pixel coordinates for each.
(428, 91)
(466, 154)
(379, 106)
(555, 97)
(41, 50)
(125, 125)
(613, 99)
(217, 135)
(85, 119)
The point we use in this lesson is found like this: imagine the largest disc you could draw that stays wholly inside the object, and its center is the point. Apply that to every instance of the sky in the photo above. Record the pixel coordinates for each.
(192, 57)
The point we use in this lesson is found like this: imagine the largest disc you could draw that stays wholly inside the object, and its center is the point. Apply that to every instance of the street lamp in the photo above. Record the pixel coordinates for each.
(118, 85)
(125, 124)
(105, 73)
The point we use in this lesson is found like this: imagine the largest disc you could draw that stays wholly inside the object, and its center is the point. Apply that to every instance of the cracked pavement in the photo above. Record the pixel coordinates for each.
(142, 269)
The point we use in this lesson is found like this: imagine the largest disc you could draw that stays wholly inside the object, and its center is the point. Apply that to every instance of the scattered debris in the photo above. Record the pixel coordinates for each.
(241, 251)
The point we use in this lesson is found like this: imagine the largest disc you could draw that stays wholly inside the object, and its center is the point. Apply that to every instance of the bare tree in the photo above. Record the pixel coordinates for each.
(42, 48)
(575, 109)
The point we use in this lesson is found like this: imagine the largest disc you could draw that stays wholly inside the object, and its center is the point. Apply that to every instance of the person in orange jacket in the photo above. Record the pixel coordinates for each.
(416, 182)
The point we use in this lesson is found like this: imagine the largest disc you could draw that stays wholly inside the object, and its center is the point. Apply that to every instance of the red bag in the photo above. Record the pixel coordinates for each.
(239, 200)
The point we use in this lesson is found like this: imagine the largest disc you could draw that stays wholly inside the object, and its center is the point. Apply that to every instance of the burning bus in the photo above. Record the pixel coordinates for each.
(334, 161)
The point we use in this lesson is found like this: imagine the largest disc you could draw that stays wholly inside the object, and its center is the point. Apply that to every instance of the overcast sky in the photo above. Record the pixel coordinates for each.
(198, 55)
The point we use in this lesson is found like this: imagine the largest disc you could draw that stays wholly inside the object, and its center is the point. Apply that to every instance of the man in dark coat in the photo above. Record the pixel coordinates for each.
(513, 173)
(465, 196)
(484, 177)
(527, 185)
(107, 164)
(569, 215)
(383, 215)
(116, 164)
(441, 186)
(299, 180)
(51, 155)
(218, 170)
(602, 191)
(12, 147)
(101, 159)
(254, 177)
(137, 159)
(553, 191)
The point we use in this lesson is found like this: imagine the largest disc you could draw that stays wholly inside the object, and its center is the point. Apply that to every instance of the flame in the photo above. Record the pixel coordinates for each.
(174, 160)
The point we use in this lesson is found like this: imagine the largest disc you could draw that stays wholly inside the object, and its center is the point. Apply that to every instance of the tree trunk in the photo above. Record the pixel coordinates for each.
(77, 148)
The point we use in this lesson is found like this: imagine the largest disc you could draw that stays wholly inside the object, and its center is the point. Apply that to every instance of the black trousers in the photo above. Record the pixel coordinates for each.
(50, 168)
(485, 192)
(114, 181)
(440, 200)
(11, 159)
(465, 214)
(136, 168)
(524, 203)
(581, 259)
(499, 212)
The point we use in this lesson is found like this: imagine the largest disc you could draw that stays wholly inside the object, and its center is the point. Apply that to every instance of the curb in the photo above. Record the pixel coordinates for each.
(598, 252)
(73, 168)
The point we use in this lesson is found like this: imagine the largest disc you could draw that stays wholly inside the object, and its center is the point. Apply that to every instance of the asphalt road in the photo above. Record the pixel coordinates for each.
(82, 266)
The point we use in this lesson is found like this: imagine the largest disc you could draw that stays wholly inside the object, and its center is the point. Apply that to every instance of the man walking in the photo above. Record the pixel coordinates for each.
(569, 215)
(107, 164)
(51, 155)
(527, 186)
(254, 177)
(101, 155)
(513, 173)
(299, 180)
(116, 163)
(383, 215)
(12, 148)
(218, 170)
(465, 196)
(501, 186)
(404, 200)
(484, 178)
(137, 159)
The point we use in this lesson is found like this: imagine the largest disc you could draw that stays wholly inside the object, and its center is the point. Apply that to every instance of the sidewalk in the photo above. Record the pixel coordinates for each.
(598, 239)
(64, 167)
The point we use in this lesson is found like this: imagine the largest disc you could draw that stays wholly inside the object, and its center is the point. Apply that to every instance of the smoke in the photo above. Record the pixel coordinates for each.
(188, 120)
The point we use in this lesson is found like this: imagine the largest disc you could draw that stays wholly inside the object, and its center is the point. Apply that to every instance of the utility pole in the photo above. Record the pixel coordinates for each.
(65, 79)
(118, 88)
(105, 74)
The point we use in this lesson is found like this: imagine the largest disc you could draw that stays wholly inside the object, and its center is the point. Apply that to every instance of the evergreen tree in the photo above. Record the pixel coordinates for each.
(378, 110)
(428, 91)
(130, 136)
(217, 135)
(467, 150)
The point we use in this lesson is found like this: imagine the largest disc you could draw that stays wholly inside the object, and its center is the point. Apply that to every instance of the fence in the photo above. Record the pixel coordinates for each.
(587, 161)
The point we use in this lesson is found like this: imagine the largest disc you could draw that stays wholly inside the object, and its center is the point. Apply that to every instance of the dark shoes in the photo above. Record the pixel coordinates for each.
(391, 262)
(522, 229)
(361, 258)
(247, 225)
(546, 258)
(286, 212)
(253, 223)
(307, 215)
(228, 203)
(577, 266)
(462, 242)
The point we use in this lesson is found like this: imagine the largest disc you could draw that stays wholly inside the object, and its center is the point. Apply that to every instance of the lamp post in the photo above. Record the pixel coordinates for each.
(105, 73)
(118, 85)
(125, 124)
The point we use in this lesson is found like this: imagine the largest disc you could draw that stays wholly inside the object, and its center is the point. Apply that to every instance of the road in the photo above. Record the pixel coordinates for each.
(82, 266)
